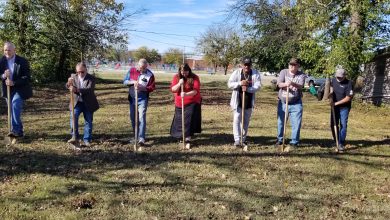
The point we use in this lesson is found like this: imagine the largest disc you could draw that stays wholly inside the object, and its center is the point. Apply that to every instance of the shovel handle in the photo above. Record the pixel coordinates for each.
(336, 132)
(242, 114)
(136, 118)
(182, 117)
(9, 107)
(72, 109)
(285, 119)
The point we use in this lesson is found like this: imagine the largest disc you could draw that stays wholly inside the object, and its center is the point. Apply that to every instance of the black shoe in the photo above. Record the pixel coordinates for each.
(14, 135)
(141, 143)
(278, 144)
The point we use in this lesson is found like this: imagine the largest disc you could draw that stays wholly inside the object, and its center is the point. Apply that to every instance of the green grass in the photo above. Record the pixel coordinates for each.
(42, 178)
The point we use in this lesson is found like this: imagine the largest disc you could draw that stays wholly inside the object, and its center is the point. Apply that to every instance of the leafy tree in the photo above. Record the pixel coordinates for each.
(55, 35)
(151, 55)
(117, 52)
(220, 46)
(324, 33)
(173, 56)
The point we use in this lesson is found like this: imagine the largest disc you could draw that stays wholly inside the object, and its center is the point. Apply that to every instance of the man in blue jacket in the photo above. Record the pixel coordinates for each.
(15, 72)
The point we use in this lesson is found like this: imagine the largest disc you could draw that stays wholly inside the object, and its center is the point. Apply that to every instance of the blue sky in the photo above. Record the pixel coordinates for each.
(187, 18)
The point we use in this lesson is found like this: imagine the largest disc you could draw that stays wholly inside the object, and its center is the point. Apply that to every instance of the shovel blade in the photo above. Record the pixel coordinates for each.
(9, 140)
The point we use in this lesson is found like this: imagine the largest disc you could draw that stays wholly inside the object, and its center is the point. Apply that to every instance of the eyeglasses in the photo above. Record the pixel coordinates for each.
(247, 64)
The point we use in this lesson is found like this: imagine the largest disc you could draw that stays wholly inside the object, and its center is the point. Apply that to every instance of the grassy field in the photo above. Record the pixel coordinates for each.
(42, 178)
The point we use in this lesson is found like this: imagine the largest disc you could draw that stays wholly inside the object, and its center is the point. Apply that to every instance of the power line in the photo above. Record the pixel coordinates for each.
(152, 32)
(170, 37)
(178, 45)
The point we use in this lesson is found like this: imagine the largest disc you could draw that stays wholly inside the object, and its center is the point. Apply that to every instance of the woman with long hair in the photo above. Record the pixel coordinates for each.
(192, 104)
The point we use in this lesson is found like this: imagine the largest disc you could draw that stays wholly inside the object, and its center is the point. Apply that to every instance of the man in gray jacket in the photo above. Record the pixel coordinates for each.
(82, 86)
(243, 80)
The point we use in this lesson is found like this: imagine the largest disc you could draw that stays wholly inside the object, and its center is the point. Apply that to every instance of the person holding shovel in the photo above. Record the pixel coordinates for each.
(190, 99)
(15, 74)
(340, 99)
(244, 82)
(290, 83)
(140, 80)
(82, 87)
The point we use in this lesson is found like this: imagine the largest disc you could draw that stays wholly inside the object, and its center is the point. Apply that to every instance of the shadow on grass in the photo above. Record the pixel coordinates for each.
(15, 161)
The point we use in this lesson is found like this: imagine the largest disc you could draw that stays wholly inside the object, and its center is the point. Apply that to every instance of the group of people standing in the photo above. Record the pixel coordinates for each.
(185, 87)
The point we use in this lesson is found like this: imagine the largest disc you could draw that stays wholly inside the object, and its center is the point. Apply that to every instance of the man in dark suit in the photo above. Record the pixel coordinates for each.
(82, 86)
(15, 72)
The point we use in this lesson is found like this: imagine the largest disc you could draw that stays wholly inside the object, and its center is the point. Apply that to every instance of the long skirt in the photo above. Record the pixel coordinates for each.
(192, 121)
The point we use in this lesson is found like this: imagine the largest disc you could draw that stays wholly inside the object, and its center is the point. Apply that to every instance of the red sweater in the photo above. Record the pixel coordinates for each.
(187, 99)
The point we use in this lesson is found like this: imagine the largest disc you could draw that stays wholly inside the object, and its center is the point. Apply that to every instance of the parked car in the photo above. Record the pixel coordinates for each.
(311, 80)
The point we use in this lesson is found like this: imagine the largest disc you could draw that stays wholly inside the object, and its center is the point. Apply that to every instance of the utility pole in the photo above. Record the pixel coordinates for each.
(184, 49)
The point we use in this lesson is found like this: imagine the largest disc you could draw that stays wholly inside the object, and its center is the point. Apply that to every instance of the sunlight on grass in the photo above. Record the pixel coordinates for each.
(43, 178)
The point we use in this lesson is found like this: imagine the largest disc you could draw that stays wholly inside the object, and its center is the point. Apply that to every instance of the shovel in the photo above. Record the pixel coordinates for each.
(242, 114)
(136, 120)
(336, 132)
(285, 120)
(76, 145)
(182, 118)
(7, 139)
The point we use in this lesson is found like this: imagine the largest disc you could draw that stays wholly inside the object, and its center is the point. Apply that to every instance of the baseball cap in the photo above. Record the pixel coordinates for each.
(294, 61)
(246, 60)
(340, 73)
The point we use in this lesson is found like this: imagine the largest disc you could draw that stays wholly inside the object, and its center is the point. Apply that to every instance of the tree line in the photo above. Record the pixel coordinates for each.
(54, 35)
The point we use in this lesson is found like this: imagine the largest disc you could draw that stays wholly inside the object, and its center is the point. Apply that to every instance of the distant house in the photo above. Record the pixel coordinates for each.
(197, 63)
(376, 87)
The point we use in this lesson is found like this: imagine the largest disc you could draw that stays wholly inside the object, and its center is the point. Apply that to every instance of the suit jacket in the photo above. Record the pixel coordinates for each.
(21, 77)
(87, 93)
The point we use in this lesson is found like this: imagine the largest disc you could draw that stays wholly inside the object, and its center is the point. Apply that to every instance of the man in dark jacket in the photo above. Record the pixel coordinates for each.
(82, 86)
(341, 99)
(15, 72)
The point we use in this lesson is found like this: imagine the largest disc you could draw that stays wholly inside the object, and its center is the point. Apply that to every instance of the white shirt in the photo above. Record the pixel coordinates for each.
(81, 86)
(11, 65)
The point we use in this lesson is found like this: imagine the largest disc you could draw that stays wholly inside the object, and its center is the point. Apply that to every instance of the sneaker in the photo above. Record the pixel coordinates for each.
(132, 140)
(278, 144)
(73, 141)
(188, 146)
(86, 144)
(341, 148)
(141, 143)
(14, 135)
(236, 144)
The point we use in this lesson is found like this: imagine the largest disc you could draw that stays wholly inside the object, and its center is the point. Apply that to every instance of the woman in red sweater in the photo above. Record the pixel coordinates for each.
(192, 104)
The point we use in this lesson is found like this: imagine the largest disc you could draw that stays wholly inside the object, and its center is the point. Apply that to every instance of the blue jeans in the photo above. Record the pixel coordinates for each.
(295, 114)
(16, 112)
(88, 119)
(142, 107)
(341, 115)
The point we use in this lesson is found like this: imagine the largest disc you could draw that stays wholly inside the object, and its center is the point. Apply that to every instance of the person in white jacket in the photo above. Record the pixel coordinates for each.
(247, 80)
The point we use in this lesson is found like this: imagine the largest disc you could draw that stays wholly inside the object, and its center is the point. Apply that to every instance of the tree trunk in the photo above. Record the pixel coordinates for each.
(61, 71)
(356, 28)
(225, 68)
(22, 26)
